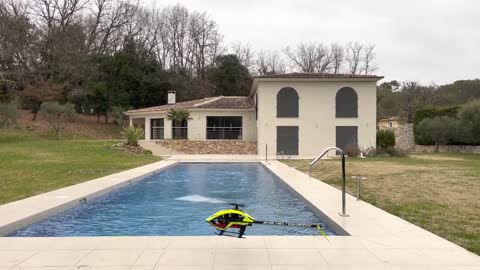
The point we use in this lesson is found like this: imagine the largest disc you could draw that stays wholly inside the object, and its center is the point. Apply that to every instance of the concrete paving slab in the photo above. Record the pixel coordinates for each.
(197, 257)
(113, 257)
(240, 256)
(55, 258)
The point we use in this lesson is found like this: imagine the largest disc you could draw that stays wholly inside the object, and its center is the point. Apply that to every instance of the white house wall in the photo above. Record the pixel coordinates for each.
(316, 121)
(198, 123)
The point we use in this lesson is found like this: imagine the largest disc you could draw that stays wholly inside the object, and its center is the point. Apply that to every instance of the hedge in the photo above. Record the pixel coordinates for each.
(385, 139)
(431, 112)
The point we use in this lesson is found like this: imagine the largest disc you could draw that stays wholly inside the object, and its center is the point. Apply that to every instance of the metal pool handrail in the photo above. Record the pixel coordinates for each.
(313, 162)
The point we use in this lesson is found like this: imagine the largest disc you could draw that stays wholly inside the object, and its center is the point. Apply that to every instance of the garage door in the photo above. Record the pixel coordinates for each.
(347, 138)
(287, 140)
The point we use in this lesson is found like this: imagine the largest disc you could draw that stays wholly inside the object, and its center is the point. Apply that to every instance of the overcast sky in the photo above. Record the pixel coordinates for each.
(429, 41)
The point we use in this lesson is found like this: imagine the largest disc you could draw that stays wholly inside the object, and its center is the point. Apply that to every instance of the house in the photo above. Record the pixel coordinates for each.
(294, 114)
(388, 123)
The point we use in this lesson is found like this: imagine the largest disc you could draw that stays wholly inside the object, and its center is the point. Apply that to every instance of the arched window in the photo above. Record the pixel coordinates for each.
(346, 103)
(287, 102)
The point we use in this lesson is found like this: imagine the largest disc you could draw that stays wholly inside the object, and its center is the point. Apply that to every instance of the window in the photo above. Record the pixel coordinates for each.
(347, 139)
(346, 103)
(156, 129)
(224, 127)
(287, 102)
(179, 130)
(287, 140)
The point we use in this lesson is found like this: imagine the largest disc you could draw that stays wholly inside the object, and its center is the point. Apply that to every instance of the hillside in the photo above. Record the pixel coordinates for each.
(84, 127)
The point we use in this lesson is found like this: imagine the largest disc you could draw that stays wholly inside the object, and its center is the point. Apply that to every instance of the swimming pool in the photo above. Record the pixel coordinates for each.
(177, 200)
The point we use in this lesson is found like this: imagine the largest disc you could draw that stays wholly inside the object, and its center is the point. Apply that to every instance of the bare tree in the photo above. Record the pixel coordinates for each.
(245, 54)
(311, 57)
(177, 22)
(414, 97)
(324, 59)
(369, 56)
(17, 38)
(337, 53)
(204, 37)
(353, 57)
(304, 56)
(269, 62)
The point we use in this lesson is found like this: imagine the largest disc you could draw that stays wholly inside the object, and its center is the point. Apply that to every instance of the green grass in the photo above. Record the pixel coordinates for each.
(438, 192)
(30, 165)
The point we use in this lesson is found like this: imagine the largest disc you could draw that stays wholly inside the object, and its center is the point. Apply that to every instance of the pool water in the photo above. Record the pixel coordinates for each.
(177, 201)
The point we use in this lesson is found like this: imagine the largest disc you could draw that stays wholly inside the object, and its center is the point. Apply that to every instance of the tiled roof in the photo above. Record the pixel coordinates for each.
(234, 102)
(296, 75)
(221, 102)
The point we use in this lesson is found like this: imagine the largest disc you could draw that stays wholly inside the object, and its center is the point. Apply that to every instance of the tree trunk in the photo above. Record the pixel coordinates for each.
(106, 118)
(437, 146)
(34, 116)
(98, 117)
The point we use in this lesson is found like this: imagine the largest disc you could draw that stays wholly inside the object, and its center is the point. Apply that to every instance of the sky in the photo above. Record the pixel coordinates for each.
(430, 41)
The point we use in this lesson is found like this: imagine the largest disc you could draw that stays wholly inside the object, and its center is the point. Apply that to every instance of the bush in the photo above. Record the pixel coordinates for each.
(390, 152)
(118, 116)
(436, 130)
(8, 114)
(351, 150)
(385, 139)
(469, 116)
(57, 115)
(430, 113)
(132, 135)
(70, 112)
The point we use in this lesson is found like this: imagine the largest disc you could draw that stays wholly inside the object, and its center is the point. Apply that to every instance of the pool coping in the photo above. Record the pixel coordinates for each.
(374, 233)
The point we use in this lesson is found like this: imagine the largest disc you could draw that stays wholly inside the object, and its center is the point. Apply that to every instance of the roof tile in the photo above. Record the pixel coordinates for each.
(220, 102)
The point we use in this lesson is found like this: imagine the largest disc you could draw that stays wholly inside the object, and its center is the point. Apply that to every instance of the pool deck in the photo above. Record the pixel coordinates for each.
(377, 240)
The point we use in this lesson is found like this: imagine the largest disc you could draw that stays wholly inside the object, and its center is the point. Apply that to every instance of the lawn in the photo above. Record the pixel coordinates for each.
(30, 165)
(438, 192)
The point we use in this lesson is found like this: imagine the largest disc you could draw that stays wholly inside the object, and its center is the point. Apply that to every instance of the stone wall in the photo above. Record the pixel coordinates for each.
(404, 137)
(211, 147)
(404, 140)
(470, 149)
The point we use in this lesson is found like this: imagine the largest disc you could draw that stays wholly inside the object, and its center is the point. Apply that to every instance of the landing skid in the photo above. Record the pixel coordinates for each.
(239, 234)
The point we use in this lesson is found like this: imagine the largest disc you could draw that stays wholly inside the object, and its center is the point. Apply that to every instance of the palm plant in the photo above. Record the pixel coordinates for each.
(132, 134)
(178, 116)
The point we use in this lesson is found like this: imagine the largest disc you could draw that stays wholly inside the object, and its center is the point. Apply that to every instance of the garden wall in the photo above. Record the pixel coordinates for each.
(404, 140)
(468, 149)
(211, 147)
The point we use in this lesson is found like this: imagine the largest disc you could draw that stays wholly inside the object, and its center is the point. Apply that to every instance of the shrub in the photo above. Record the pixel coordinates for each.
(469, 116)
(352, 150)
(8, 114)
(132, 135)
(118, 116)
(147, 152)
(430, 113)
(385, 139)
(70, 112)
(435, 130)
(57, 115)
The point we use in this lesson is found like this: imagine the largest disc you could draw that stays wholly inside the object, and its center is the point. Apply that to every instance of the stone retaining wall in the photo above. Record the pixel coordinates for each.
(469, 149)
(404, 137)
(211, 147)
(404, 140)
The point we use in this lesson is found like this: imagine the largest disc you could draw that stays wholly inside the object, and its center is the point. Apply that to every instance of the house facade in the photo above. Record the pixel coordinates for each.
(388, 123)
(295, 115)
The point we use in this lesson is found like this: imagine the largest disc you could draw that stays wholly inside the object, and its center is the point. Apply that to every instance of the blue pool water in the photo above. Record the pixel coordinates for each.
(176, 201)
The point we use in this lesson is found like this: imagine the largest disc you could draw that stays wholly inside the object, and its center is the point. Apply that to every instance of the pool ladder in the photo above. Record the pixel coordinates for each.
(313, 162)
